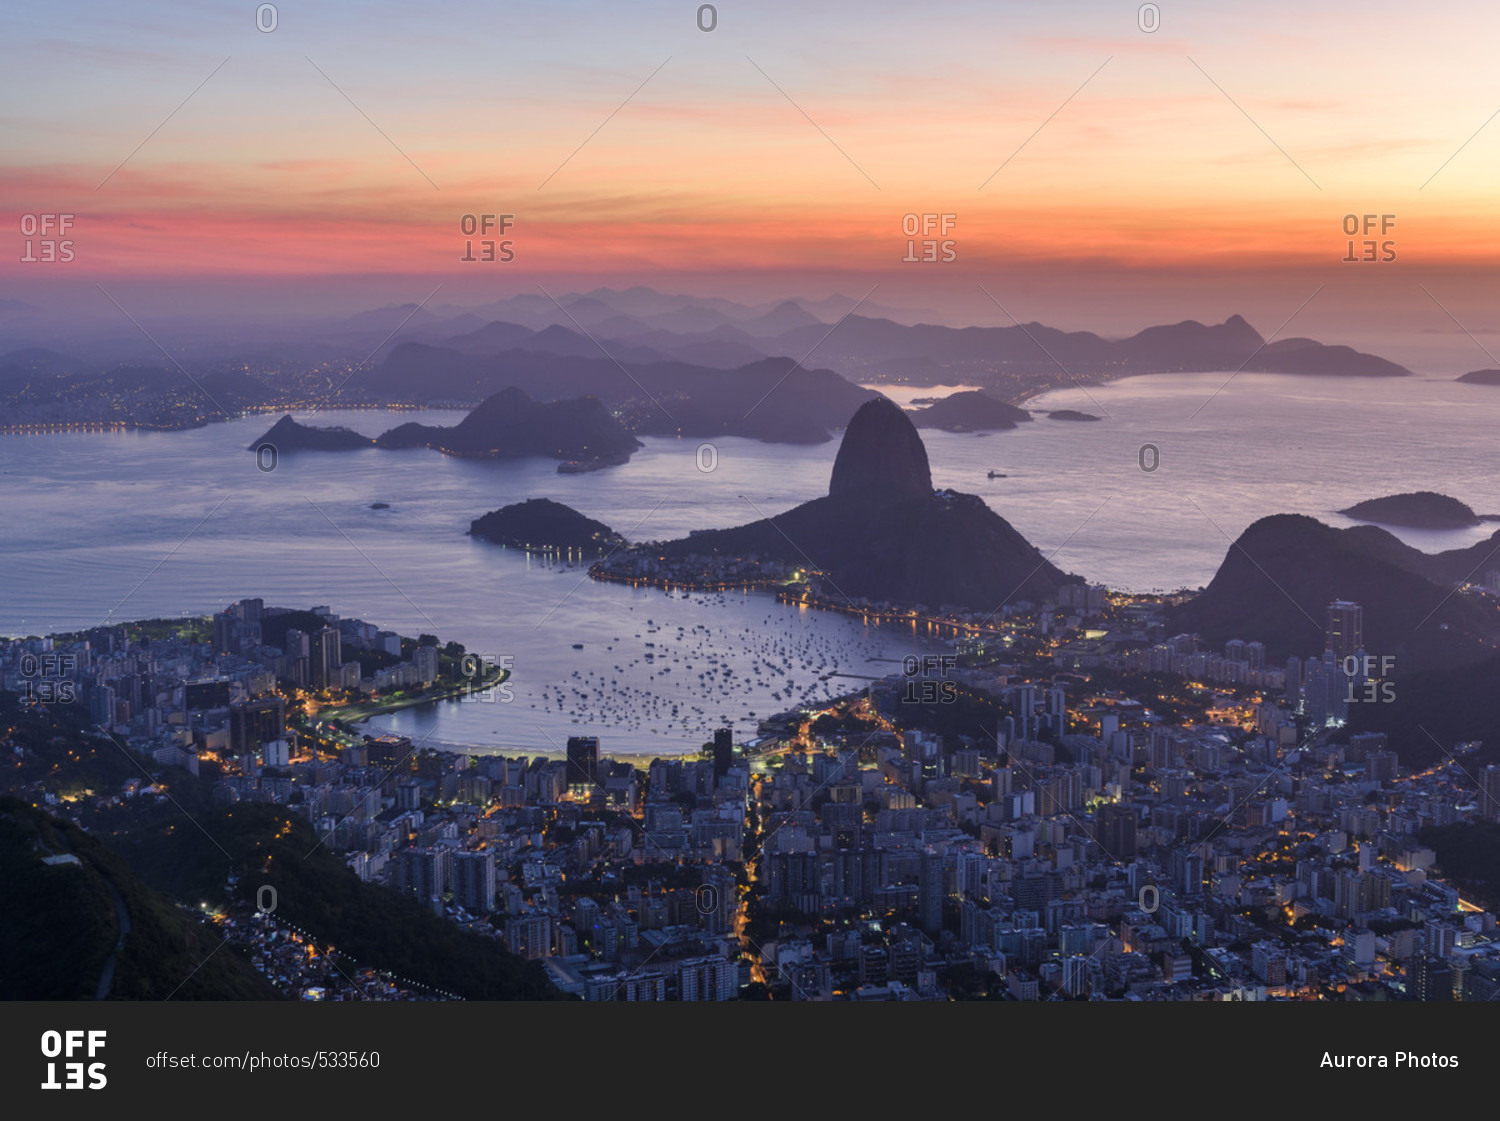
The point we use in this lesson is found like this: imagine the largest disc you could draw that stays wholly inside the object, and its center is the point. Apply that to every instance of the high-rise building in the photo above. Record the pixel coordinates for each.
(1268, 960)
(297, 646)
(253, 723)
(1489, 781)
(1057, 709)
(1434, 979)
(1117, 831)
(1441, 939)
(226, 633)
(1359, 949)
(1381, 765)
(723, 751)
(425, 873)
(1326, 690)
(425, 659)
(651, 985)
(102, 704)
(708, 978)
(297, 643)
(325, 656)
(530, 935)
(408, 795)
(931, 892)
(1024, 705)
(474, 881)
(583, 760)
(1345, 634)
(389, 752)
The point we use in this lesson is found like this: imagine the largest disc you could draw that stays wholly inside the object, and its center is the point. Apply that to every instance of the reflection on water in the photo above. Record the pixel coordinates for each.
(131, 525)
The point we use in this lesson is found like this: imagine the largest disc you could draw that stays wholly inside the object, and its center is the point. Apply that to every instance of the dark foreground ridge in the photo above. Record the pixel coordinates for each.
(1279, 576)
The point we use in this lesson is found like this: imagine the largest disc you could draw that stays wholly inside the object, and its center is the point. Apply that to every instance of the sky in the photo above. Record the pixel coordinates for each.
(1098, 175)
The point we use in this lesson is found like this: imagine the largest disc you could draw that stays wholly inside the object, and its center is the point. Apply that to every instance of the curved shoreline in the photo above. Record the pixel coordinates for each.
(360, 711)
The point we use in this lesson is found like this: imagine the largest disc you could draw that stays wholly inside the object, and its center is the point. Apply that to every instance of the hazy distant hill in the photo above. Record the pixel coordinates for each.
(505, 425)
(725, 347)
(768, 400)
(509, 424)
(1305, 356)
(785, 316)
(863, 345)
(970, 411)
(498, 337)
(38, 360)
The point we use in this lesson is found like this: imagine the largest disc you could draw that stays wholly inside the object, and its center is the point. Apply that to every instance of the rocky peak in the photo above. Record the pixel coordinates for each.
(881, 453)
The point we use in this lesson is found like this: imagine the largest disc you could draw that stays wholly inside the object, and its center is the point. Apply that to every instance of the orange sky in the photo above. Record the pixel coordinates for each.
(629, 144)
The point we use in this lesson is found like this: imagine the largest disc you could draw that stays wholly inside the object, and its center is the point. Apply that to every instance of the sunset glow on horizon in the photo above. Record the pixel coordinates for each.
(351, 141)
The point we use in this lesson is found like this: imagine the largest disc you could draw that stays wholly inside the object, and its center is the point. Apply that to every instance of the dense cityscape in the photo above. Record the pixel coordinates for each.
(1073, 805)
(521, 516)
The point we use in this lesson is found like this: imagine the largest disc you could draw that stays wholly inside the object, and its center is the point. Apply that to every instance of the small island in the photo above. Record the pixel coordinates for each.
(287, 435)
(1480, 377)
(1423, 509)
(580, 432)
(1071, 414)
(542, 525)
(970, 410)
